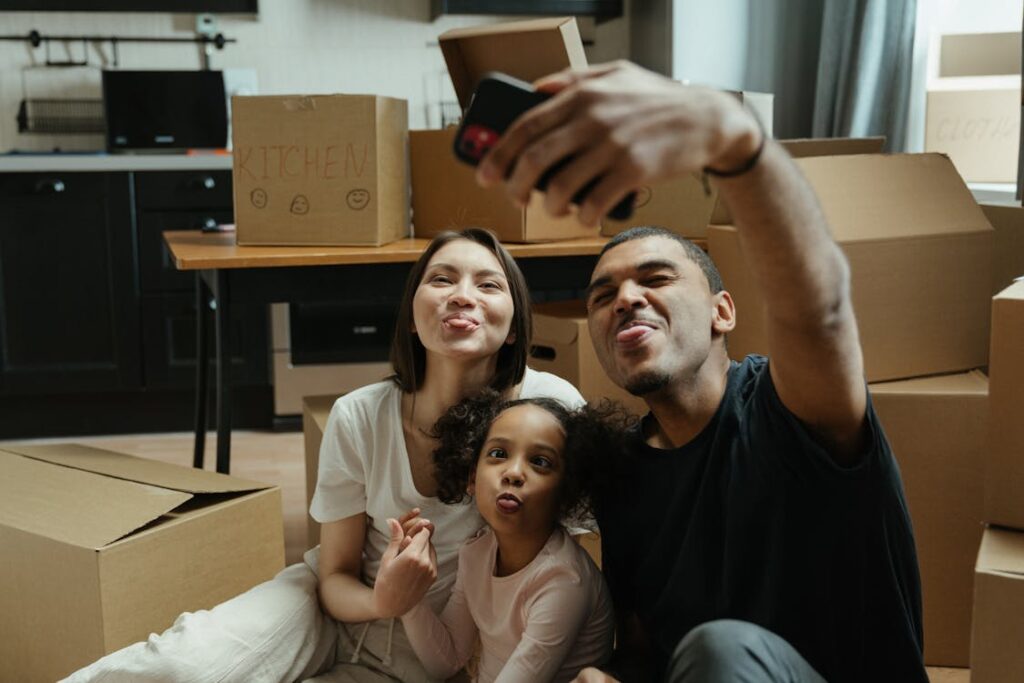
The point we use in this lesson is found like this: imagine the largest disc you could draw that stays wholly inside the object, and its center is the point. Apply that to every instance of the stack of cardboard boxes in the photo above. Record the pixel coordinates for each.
(998, 628)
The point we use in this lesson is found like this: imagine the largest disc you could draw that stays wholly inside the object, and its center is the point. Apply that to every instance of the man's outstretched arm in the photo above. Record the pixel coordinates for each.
(630, 127)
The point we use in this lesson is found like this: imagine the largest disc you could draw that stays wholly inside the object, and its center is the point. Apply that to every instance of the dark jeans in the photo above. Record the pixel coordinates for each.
(728, 651)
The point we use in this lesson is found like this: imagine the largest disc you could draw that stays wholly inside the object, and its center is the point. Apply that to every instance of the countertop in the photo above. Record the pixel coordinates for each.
(28, 163)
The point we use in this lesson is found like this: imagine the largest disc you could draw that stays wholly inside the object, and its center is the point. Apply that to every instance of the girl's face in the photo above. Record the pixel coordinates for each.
(462, 307)
(519, 474)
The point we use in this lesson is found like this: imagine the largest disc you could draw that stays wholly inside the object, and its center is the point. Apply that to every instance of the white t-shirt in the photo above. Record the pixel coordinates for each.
(546, 622)
(364, 467)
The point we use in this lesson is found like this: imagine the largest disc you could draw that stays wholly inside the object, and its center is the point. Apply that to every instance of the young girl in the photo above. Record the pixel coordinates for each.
(535, 597)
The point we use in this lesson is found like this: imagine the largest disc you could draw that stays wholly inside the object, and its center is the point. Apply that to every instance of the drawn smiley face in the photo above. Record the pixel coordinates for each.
(358, 199)
(258, 197)
(643, 195)
(300, 205)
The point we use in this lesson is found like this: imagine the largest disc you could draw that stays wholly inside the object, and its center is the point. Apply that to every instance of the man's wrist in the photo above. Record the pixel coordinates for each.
(747, 140)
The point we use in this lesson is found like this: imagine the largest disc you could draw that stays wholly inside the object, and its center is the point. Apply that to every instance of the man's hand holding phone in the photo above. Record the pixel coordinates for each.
(499, 100)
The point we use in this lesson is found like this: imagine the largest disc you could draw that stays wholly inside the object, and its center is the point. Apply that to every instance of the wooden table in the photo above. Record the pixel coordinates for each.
(234, 274)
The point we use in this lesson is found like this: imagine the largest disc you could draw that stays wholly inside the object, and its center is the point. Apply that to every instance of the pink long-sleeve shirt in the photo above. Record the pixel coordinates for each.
(543, 623)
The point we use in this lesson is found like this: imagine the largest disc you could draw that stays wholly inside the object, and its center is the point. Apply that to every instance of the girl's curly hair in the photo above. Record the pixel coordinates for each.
(593, 435)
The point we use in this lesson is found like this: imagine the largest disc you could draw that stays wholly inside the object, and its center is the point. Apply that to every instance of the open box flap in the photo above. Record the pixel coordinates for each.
(140, 470)
(1002, 552)
(526, 50)
(74, 506)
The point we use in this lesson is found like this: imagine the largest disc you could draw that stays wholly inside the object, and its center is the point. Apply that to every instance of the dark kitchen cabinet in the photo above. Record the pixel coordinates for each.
(69, 299)
(188, 200)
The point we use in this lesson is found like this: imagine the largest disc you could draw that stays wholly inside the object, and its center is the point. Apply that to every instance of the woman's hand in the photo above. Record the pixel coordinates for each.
(411, 524)
(407, 570)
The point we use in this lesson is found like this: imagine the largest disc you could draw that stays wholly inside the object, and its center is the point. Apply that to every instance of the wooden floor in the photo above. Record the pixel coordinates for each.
(279, 458)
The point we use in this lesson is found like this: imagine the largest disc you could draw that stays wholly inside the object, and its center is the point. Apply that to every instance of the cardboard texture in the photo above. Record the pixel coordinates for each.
(1008, 223)
(315, 411)
(561, 345)
(974, 105)
(101, 549)
(920, 254)
(683, 205)
(937, 426)
(812, 147)
(1004, 469)
(527, 50)
(320, 169)
(998, 624)
(445, 196)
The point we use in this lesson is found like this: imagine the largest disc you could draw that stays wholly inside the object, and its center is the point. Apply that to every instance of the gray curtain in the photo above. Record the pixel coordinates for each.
(864, 70)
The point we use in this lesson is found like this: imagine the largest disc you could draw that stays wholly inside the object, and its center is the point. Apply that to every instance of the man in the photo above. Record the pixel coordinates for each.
(758, 530)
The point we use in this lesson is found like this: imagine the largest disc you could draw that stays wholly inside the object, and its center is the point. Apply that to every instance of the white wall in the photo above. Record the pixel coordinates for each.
(294, 46)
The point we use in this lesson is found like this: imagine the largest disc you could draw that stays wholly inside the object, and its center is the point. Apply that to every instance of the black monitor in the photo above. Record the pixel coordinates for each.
(165, 110)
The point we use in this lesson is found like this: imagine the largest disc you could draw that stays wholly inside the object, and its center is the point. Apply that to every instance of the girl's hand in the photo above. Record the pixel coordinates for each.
(411, 524)
(592, 675)
(406, 572)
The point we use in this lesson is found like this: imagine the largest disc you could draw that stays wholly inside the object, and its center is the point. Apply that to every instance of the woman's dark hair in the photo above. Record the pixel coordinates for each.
(409, 357)
(593, 435)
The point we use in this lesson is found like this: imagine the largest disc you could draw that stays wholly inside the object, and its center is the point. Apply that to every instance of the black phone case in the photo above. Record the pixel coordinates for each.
(499, 99)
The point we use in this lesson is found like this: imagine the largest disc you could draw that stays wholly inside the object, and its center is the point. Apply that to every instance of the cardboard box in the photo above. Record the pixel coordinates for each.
(974, 104)
(315, 411)
(1008, 223)
(998, 631)
(812, 147)
(937, 427)
(683, 205)
(920, 253)
(445, 196)
(1004, 470)
(320, 169)
(561, 345)
(101, 549)
(527, 50)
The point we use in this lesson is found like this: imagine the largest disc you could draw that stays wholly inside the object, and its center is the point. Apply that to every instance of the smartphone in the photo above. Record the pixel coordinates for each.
(499, 99)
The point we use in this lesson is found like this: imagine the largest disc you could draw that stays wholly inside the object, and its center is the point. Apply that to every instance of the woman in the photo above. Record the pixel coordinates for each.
(463, 324)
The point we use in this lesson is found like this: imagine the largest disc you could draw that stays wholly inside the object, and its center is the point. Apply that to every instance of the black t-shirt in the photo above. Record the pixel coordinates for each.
(753, 520)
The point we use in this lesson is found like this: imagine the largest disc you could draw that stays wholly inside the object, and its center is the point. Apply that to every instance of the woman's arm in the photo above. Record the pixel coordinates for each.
(403, 579)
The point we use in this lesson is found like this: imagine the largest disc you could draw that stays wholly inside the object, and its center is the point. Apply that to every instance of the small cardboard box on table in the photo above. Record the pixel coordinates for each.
(561, 345)
(920, 254)
(445, 195)
(1004, 467)
(101, 549)
(937, 426)
(320, 169)
(998, 624)
(974, 104)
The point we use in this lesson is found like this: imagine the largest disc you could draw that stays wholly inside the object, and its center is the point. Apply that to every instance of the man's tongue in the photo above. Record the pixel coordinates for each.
(632, 334)
(461, 323)
(508, 504)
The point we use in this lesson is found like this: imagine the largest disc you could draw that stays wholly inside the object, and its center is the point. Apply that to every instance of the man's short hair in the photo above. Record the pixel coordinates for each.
(696, 254)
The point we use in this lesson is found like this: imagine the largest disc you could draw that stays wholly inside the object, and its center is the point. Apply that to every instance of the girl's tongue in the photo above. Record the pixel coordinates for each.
(508, 504)
(632, 334)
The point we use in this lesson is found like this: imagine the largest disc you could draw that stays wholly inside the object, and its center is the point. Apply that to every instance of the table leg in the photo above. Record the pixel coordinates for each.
(202, 361)
(223, 338)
